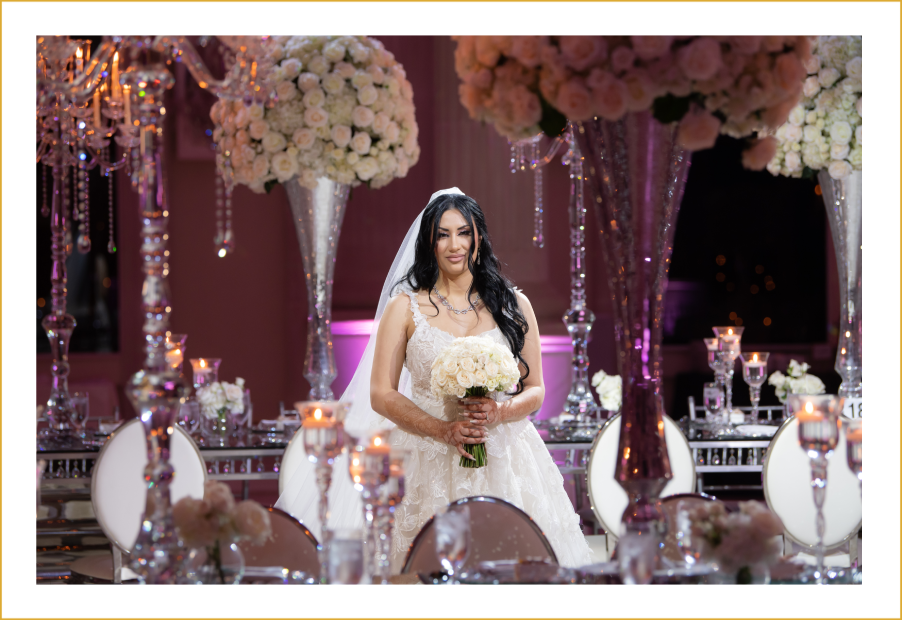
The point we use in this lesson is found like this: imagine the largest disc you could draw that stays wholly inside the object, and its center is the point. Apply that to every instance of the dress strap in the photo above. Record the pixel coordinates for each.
(418, 318)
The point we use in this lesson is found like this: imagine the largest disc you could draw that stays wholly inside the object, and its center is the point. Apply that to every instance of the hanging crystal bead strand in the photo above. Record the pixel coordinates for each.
(220, 233)
(111, 245)
(538, 237)
(45, 206)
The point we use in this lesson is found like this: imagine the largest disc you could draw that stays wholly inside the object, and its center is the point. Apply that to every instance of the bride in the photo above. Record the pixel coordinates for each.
(446, 284)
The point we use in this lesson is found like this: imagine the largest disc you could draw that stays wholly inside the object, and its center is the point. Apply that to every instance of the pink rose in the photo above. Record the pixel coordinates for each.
(640, 91)
(649, 48)
(581, 53)
(252, 522)
(608, 94)
(481, 79)
(195, 521)
(486, 51)
(746, 45)
(772, 44)
(526, 109)
(790, 72)
(762, 151)
(698, 130)
(528, 50)
(219, 495)
(574, 100)
(701, 59)
(622, 59)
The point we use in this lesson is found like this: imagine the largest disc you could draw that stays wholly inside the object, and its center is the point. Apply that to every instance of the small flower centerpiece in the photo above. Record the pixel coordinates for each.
(211, 526)
(220, 399)
(473, 366)
(740, 543)
(610, 390)
(795, 381)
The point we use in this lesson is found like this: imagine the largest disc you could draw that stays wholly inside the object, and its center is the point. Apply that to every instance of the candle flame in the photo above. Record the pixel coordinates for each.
(318, 414)
(730, 331)
(377, 441)
(809, 407)
(755, 356)
(116, 57)
(203, 363)
(356, 462)
(78, 53)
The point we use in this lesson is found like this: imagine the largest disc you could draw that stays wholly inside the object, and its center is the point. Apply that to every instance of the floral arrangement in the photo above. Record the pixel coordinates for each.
(217, 520)
(739, 540)
(610, 390)
(735, 85)
(221, 398)
(343, 110)
(796, 381)
(824, 130)
(473, 366)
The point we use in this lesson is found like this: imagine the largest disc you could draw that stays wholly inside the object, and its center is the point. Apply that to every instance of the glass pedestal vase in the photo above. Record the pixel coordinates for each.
(216, 430)
(637, 172)
(843, 201)
(220, 563)
(318, 214)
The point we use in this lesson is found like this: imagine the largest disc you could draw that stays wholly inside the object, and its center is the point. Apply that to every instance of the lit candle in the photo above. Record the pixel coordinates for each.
(809, 414)
(97, 108)
(378, 446)
(355, 467)
(126, 93)
(115, 76)
(79, 60)
(318, 417)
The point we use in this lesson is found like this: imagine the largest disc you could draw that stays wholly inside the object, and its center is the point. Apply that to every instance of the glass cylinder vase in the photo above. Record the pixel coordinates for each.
(318, 214)
(843, 201)
(637, 172)
(220, 563)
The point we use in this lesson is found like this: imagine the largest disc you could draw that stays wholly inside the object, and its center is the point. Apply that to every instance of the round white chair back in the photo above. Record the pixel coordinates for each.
(787, 490)
(118, 491)
(608, 498)
(292, 546)
(498, 531)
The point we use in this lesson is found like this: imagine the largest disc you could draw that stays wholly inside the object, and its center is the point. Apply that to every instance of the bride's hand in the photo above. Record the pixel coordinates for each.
(481, 411)
(458, 433)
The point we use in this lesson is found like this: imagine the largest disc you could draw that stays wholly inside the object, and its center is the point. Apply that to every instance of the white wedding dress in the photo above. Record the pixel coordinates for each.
(520, 469)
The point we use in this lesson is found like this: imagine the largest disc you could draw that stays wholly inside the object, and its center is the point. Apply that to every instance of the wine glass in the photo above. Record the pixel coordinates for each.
(452, 538)
(712, 398)
(853, 447)
(819, 426)
(715, 362)
(754, 371)
(80, 412)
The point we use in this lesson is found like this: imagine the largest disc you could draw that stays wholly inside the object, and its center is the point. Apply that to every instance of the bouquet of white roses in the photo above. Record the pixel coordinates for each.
(796, 381)
(824, 130)
(610, 390)
(473, 366)
(343, 110)
(734, 85)
(221, 398)
(216, 520)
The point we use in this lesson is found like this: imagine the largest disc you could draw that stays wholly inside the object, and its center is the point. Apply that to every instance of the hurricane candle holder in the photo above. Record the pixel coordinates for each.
(206, 371)
(323, 435)
(175, 351)
(819, 425)
(754, 371)
(728, 342)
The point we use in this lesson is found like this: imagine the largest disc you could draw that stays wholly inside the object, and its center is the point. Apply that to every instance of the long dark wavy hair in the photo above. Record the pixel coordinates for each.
(493, 287)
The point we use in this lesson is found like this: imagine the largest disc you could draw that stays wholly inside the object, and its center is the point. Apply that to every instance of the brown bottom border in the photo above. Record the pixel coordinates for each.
(106, 601)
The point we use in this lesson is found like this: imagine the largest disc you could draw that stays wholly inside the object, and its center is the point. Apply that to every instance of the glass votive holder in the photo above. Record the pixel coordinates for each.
(754, 372)
(175, 351)
(206, 371)
(321, 425)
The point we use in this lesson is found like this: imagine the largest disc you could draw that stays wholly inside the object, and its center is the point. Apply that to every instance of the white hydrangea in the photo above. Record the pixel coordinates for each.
(831, 113)
(473, 362)
(795, 381)
(341, 108)
(220, 398)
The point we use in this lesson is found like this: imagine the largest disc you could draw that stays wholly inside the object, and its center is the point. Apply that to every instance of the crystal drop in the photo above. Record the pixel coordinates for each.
(84, 244)
(110, 247)
(45, 211)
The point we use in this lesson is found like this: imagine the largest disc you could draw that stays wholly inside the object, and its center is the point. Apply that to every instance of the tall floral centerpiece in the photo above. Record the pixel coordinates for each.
(342, 114)
(641, 105)
(823, 137)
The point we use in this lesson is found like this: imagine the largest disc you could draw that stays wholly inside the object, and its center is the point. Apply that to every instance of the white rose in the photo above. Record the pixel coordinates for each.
(261, 166)
(853, 68)
(827, 77)
(380, 122)
(286, 91)
(362, 116)
(333, 83)
(465, 379)
(334, 51)
(392, 132)
(813, 64)
(467, 364)
(308, 81)
(839, 151)
(376, 73)
(242, 118)
(319, 65)
(361, 143)
(858, 135)
(840, 132)
(367, 168)
(341, 135)
(352, 158)
(344, 69)
(367, 95)
(291, 67)
(361, 79)
(316, 117)
(257, 129)
(233, 393)
(793, 161)
(811, 86)
(284, 166)
(858, 106)
(811, 133)
(792, 133)
(304, 138)
(797, 116)
(308, 178)
(256, 112)
(491, 369)
(314, 98)
(839, 169)
(273, 141)
(480, 377)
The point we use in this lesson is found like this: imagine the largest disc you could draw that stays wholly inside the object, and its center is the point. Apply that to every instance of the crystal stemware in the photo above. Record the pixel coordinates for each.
(80, 412)
(819, 427)
(715, 361)
(712, 398)
(754, 371)
(728, 342)
(452, 538)
(853, 447)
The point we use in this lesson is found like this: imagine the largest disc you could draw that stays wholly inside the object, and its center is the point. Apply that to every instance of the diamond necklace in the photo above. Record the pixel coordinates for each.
(452, 308)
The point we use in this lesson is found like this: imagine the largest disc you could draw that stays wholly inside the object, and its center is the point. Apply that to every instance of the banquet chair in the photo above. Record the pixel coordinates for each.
(118, 493)
(498, 531)
(291, 546)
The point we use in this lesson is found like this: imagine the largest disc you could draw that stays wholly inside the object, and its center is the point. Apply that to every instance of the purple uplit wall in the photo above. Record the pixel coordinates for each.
(350, 339)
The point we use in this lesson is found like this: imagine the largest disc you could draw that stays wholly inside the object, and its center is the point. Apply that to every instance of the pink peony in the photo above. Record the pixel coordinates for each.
(746, 45)
(762, 151)
(487, 53)
(528, 50)
(649, 48)
(252, 522)
(622, 59)
(698, 130)
(581, 53)
(608, 94)
(574, 100)
(219, 495)
(701, 59)
(526, 108)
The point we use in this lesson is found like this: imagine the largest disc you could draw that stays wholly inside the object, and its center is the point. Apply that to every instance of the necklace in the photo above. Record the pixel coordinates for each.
(452, 308)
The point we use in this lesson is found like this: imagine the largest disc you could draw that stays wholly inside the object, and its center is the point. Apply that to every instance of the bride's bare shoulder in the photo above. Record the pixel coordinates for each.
(398, 306)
